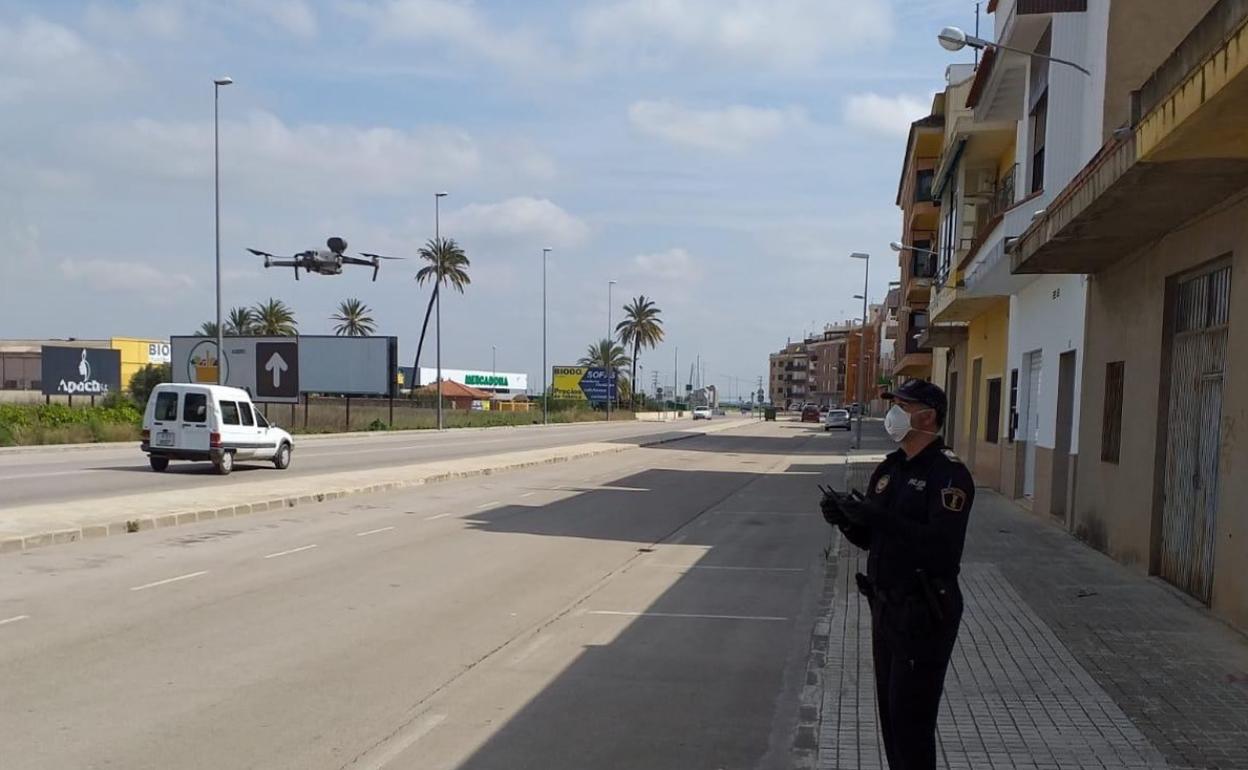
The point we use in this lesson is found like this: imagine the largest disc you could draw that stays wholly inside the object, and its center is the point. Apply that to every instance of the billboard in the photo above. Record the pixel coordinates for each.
(476, 378)
(582, 383)
(280, 369)
(74, 371)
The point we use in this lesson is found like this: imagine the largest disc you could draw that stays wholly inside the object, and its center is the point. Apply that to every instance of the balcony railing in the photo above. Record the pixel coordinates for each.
(1003, 197)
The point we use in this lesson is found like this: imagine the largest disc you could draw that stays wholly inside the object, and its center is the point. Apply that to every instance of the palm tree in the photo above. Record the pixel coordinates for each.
(447, 264)
(608, 354)
(641, 328)
(207, 329)
(353, 319)
(275, 319)
(240, 322)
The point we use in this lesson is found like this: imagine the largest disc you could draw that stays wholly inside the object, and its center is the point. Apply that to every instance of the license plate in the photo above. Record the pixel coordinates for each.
(164, 438)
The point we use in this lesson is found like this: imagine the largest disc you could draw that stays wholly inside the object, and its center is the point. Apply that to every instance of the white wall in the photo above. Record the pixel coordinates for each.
(1053, 325)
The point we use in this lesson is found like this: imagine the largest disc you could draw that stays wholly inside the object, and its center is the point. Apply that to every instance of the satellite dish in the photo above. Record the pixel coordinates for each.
(336, 245)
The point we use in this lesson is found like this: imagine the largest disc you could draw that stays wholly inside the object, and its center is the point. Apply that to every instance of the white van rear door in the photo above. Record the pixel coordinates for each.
(194, 427)
(166, 425)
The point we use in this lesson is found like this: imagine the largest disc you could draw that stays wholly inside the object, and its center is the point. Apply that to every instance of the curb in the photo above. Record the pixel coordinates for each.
(23, 543)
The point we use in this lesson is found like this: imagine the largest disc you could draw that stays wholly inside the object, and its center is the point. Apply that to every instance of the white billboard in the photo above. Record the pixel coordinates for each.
(475, 378)
(354, 366)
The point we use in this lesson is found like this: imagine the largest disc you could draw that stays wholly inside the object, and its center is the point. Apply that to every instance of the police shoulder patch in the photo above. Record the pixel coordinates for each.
(951, 455)
(881, 484)
(953, 499)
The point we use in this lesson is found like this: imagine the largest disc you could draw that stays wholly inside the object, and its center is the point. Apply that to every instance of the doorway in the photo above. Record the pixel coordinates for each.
(1062, 439)
(1034, 365)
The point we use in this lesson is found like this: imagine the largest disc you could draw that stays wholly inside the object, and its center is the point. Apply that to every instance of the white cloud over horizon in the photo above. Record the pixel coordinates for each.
(887, 115)
(724, 129)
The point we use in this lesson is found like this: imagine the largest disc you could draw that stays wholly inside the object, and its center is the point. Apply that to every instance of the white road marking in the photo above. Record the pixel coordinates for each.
(402, 743)
(683, 615)
(734, 569)
(490, 504)
(531, 648)
(166, 581)
(528, 494)
(292, 550)
(439, 516)
(13, 619)
(373, 531)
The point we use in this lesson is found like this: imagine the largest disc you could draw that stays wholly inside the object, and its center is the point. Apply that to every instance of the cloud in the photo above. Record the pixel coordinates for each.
(121, 276)
(781, 34)
(889, 115)
(264, 152)
(455, 23)
(728, 129)
(159, 20)
(675, 265)
(294, 16)
(525, 222)
(41, 59)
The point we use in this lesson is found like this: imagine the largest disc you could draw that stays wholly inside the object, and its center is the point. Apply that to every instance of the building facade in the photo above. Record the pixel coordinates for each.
(789, 377)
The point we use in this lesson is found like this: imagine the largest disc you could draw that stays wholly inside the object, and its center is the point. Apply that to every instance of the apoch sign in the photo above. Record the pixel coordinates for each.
(73, 371)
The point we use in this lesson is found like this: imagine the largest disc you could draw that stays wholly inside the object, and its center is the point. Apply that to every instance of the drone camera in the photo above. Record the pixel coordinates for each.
(336, 245)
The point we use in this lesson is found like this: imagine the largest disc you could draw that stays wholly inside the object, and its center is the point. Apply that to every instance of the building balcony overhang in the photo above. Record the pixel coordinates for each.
(988, 269)
(918, 291)
(890, 330)
(1187, 153)
(999, 87)
(944, 335)
(955, 303)
(914, 365)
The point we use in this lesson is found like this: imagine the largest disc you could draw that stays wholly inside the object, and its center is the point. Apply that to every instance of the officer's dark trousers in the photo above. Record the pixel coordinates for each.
(908, 692)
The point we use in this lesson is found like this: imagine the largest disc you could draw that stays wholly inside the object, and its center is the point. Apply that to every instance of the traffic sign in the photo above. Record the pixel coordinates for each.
(277, 370)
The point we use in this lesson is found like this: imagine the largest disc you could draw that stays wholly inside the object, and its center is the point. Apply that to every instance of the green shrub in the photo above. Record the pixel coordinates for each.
(378, 424)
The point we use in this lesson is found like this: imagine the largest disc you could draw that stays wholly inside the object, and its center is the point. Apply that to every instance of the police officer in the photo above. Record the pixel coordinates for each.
(912, 521)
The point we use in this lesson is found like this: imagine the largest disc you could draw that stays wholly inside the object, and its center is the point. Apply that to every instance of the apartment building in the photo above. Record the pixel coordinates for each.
(920, 217)
(788, 381)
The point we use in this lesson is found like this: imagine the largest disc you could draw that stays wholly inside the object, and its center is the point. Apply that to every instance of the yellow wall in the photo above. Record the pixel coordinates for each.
(135, 354)
(988, 340)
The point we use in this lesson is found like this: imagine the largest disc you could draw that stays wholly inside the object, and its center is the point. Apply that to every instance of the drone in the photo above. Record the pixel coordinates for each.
(323, 262)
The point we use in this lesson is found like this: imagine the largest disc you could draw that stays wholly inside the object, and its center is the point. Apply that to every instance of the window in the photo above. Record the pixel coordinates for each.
(244, 411)
(1013, 404)
(260, 421)
(1039, 113)
(166, 406)
(922, 263)
(1111, 421)
(923, 185)
(992, 431)
(195, 407)
(229, 413)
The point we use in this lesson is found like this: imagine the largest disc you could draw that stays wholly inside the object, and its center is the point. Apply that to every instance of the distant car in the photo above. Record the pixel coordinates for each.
(836, 418)
(810, 413)
(701, 413)
(824, 409)
(212, 423)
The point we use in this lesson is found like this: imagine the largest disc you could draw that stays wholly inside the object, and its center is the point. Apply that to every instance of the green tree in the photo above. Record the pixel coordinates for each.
(207, 329)
(608, 354)
(448, 264)
(145, 380)
(353, 319)
(240, 322)
(641, 328)
(275, 319)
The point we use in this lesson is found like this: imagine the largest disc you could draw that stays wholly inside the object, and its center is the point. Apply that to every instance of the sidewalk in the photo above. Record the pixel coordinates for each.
(1065, 660)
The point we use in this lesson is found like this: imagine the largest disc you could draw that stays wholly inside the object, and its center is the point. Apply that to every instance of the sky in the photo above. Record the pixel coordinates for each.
(722, 157)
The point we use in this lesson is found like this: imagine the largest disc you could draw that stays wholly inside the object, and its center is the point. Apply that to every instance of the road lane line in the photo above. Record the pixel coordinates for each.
(373, 531)
(733, 569)
(490, 504)
(166, 581)
(528, 494)
(439, 516)
(402, 743)
(531, 648)
(292, 550)
(13, 619)
(684, 615)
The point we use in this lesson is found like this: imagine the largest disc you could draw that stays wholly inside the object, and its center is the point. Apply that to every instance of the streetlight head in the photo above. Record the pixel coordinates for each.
(859, 255)
(896, 246)
(440, 194)
(859, 296)
(547, 248)
(952, 39)
(223, 81)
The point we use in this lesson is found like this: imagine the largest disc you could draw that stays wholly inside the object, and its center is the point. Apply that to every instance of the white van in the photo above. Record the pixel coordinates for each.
(210, 422)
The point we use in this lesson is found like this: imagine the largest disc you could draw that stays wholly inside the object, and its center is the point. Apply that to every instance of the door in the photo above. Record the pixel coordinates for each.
(166, 427)
(234, 434)
(1201, 313)
(1065, 429)
(195, 433)
(1031, 422)
(977, 373)
(951, 416)
(256, 434)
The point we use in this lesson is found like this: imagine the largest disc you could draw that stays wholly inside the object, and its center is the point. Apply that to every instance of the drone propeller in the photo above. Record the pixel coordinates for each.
(377, 261)
(267, 256)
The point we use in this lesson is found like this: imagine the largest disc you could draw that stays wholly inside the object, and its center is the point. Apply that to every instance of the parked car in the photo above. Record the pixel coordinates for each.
(810, 413)
(836, 418)
(701, 413)
(210, 423)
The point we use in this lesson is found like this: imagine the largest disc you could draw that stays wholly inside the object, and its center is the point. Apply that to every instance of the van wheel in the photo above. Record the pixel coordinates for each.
(281, 460)
(159, 464)
(225, 464)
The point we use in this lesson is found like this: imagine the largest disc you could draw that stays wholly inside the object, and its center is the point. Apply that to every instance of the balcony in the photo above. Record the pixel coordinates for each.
(953, 302)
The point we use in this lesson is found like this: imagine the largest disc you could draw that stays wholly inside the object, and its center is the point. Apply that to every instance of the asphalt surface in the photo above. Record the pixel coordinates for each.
(650, 609)
(52, 475)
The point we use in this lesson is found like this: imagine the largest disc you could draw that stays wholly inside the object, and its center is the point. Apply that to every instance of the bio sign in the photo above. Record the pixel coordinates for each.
(583, 383)
(80, 371)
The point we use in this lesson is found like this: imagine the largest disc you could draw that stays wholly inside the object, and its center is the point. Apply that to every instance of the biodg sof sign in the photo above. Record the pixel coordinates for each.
(74, 371)
(565, 383)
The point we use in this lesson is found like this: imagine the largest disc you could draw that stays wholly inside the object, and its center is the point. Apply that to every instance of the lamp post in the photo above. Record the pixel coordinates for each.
(545, 392)
(862, 344)
(607, 352)
(954, 39)
(216, 184)
(437, 292)
(493, 366)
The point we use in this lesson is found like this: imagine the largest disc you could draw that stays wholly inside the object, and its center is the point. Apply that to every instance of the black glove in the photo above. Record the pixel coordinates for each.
(858, 510)
(830, 505)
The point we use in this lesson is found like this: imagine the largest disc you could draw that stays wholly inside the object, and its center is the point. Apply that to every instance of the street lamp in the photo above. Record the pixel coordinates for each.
(545, 394)
(862, 343)
(606, 354)
(898, 246)
(216, 165)
(954, 39)
(437, 292)
(493, 365)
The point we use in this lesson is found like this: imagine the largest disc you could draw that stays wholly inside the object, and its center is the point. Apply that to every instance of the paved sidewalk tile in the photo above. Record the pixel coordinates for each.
(1065, 659)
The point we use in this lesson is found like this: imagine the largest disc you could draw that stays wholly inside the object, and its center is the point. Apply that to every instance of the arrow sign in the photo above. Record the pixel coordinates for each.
(276, 366)
(277, 370)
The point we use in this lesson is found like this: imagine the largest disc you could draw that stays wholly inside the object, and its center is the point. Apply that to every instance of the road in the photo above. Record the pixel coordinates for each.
(50, 476)
(649, 609)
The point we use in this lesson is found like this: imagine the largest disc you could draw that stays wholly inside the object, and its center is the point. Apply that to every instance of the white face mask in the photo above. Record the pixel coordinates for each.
(897, 424)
